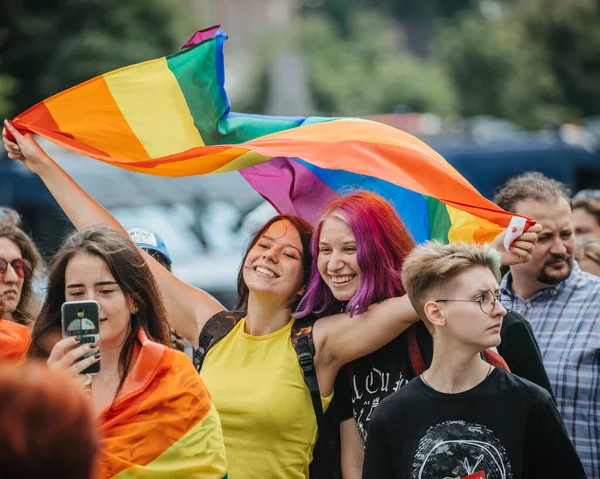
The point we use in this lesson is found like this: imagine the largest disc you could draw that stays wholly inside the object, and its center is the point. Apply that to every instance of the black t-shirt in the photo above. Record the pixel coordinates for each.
(375, 376)
(521, 352)
(504, 428)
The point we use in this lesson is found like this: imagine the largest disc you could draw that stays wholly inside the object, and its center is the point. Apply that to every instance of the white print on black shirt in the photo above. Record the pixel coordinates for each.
(457, 449)
(369, 391)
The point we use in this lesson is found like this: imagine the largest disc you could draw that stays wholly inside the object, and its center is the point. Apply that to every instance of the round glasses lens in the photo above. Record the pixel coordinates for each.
(27, 268)
(488, 301)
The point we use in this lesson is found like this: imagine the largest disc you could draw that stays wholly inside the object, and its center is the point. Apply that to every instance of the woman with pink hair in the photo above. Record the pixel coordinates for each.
(358, 248)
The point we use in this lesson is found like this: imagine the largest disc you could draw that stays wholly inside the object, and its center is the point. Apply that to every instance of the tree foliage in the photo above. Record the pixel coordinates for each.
(536, 65)
(367, 72)
(50, 45)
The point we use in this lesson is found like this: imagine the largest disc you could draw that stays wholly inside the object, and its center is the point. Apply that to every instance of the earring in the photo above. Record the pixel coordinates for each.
(135, 310)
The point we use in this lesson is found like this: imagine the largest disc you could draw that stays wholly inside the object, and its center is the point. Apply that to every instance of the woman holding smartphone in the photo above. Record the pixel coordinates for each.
(253, 373)
(144, 391)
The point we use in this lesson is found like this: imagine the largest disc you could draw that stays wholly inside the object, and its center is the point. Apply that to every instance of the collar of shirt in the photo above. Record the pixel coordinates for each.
(544, 293)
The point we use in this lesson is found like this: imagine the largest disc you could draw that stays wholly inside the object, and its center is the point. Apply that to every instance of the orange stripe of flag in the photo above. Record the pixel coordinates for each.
(89, 112)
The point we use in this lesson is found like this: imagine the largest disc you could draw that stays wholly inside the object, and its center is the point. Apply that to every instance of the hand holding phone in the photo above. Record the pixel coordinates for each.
(80, 320)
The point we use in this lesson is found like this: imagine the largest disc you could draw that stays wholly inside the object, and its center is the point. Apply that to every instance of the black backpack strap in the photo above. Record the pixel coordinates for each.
(302, 342)
(215, 329)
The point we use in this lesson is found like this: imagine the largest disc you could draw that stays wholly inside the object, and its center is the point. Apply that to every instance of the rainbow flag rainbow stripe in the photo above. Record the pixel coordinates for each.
(14, 341)
(163, 424)
(171, 117)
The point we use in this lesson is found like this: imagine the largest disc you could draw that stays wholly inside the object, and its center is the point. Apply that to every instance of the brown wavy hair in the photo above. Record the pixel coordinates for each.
(47, 428)
(9, 228)
(132, 274)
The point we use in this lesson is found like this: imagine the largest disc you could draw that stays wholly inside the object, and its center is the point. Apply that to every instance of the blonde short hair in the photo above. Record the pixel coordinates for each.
(590, 205)
(432, 265)
(588, 247)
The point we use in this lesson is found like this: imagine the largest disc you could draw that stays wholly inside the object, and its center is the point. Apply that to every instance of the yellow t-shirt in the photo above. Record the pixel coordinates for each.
(268, 421)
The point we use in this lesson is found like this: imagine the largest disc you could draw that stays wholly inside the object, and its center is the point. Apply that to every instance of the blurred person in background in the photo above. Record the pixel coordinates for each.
(586, 213)
(154, 245)
(587, 254)
(19, 261)
(47, 428)
(561, 303)
(154, 412)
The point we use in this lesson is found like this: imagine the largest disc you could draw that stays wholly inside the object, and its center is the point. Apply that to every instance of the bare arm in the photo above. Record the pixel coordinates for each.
(353, 453)
(188, 308)
(340, 339)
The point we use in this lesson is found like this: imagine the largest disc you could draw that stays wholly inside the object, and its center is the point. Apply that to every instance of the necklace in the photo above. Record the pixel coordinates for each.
(427, 384)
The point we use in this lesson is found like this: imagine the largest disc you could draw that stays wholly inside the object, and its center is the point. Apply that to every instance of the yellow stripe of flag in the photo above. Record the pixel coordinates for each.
(199, 453)
(133, 87)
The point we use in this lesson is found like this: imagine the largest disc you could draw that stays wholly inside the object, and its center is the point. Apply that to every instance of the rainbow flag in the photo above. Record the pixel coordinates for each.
(164, 424)
(14, 341)
(171, 117)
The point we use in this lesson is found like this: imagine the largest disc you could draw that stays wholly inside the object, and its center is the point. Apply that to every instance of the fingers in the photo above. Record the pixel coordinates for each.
(60, 348)
(82, 365)
(66, 355)
(524, 246)
(13, 131)
(9, 145)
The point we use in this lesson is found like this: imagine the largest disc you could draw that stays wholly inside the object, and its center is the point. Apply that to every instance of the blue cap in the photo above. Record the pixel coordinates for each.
(149, 241)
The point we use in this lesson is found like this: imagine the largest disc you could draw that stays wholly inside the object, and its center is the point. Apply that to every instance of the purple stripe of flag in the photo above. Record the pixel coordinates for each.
(290, 187)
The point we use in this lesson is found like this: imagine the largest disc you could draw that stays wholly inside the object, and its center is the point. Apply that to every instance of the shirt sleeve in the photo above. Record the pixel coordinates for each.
(378, 458)
(552, 453)
(522, 353)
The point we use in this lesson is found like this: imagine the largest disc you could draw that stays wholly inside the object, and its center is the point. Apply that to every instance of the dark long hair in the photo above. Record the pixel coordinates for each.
(9, 229)
(305, 230)
(131, 273)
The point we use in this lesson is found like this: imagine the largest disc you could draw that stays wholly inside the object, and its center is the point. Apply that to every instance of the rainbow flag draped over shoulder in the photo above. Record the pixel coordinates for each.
(14, 341)
(164, 424)
(171, 117)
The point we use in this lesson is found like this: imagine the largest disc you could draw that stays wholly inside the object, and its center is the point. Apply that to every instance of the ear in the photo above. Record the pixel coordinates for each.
(434, 313)
(301, 291)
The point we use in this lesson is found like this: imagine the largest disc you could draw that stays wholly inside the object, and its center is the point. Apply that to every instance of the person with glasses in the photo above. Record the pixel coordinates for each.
(464, 418)
(19, 259)
(561, 302)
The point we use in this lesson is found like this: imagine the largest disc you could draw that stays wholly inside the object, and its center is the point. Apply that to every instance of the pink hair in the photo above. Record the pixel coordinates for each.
(382, 244)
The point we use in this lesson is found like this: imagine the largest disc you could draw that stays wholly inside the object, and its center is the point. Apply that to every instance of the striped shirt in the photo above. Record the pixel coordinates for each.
(566, 322)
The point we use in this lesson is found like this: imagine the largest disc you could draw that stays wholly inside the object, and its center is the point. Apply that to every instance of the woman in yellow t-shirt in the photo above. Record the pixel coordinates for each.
(253, 374)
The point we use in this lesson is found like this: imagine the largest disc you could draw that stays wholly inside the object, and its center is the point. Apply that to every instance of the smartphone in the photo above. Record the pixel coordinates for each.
(80, 318)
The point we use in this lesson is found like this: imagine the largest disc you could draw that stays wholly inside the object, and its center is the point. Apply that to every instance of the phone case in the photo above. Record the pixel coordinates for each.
(80, 318)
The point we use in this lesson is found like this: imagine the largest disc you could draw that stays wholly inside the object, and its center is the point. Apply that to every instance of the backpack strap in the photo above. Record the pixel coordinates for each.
(495, 359)
(302, 341)
(414, 352)
(215, 329)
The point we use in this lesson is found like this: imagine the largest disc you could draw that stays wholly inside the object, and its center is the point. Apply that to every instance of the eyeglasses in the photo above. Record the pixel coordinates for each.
(21, 266)
(487, 301)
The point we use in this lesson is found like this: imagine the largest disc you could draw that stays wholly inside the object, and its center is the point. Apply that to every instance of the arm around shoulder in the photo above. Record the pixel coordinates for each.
(343, 339)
